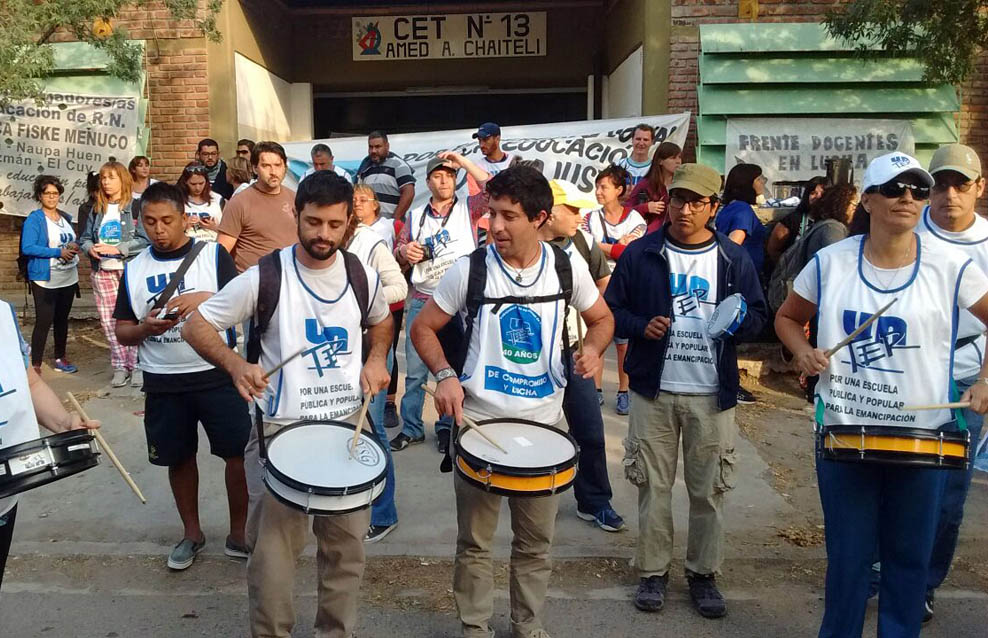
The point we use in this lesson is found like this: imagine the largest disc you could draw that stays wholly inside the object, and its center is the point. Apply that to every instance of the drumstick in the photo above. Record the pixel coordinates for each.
(284, 363)
(109, 451)
(360, 424)
(851, 337)
(470, 423)
(937, 406)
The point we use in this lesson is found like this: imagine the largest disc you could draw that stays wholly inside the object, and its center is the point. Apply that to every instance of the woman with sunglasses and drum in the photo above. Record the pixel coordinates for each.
(880, 467)
(203, 206)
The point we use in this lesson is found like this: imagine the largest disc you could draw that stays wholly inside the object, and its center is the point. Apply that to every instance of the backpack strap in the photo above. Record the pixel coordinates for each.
(357, 277)
(268, 292)
(580, 243)
(476, 282)
(564, 272)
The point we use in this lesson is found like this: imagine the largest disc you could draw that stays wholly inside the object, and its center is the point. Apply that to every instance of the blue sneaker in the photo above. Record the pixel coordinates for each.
(63, 365)
(623, 403)
(606, 519)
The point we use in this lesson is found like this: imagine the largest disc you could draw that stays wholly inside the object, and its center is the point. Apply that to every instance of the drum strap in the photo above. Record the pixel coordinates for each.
(269, 290)
(176, 279)
(262, 451)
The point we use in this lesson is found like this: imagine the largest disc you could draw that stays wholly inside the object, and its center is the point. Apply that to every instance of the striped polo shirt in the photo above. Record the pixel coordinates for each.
(386, 180)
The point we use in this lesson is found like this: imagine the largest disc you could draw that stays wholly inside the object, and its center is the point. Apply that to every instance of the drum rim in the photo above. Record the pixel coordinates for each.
(478, 463)
(899, 459)
(740, 313)
(955, 436)
(77, 467)
(312, 511)
(61, 439)
(325, 491)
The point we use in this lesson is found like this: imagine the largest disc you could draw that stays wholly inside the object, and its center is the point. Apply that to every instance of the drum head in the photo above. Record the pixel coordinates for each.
(724, 314)
(317, 455)
(529, 446)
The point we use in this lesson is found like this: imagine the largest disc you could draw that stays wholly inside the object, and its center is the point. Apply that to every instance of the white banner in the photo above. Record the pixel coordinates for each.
(67, 136)
(448, 36)
(573, 151)
(796, 149)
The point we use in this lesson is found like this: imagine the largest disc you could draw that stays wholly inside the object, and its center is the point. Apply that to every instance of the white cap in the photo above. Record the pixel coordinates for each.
(887, 167)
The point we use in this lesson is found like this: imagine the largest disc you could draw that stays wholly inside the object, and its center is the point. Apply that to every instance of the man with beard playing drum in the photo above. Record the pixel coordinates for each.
(875, 490)
(514, 366)
(320, 297)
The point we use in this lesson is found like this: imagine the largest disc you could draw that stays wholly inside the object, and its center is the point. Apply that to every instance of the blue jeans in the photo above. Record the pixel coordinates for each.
(955, 487)
(867, 506)
(384, 513)
(592, 486)
(416, 373)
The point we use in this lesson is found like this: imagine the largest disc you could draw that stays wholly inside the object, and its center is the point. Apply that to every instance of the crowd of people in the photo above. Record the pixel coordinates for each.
(644, 264)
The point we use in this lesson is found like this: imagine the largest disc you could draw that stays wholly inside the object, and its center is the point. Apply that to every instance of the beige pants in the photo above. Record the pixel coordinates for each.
(651, 456)
(533, 523)
(277, 534)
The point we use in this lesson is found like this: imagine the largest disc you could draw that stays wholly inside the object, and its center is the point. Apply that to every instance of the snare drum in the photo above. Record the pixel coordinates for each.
(895, 446)
(541, 460)
(32, 464)
(727, 317)
(309, 467)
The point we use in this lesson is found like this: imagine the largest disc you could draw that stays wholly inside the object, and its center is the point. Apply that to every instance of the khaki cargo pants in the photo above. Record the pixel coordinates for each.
(277, 534)
(651, 456)
(533, 524)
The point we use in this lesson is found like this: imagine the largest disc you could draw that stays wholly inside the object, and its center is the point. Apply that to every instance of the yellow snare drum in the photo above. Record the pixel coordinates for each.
(895, 445)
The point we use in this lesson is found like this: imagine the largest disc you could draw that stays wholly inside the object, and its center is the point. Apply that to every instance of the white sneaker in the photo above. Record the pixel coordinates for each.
(136, 378)
(120, 378)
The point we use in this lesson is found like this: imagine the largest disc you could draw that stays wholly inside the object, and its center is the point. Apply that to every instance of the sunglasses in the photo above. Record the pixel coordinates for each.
(894, 190)
(942, 185)
(197, 170)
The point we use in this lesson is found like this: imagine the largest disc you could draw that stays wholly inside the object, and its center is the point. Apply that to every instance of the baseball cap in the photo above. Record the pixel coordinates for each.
(567, 194)
(699, 178)
(438, 162)
(487, 129)
(885, 168)
(956, 157)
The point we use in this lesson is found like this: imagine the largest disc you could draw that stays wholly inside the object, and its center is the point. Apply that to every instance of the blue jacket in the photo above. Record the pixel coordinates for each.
(639, 290)
(34, 244)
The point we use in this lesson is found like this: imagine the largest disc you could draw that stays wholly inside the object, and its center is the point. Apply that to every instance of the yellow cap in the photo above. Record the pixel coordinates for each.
(567, 194)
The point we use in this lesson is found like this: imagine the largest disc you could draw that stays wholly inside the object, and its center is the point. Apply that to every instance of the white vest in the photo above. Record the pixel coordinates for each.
(972, 242)
(323, 383)
(18, 422)
(364, 240)
(146, 276)
(514, 364)
(902, 358)
(196, 211)
(450, 238)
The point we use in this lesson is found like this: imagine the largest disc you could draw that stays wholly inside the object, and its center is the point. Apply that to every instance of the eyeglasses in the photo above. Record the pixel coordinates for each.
(51, 193)
(696, 205)
(362, 200)
(895, 190)
(941, 185)
(209, 153)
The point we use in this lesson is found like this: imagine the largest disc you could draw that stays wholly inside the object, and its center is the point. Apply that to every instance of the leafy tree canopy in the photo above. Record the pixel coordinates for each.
(27, 27)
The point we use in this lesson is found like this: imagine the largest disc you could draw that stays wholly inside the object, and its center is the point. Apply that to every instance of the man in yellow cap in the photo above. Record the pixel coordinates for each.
(683, 383)
(592, 487)
(950, 219)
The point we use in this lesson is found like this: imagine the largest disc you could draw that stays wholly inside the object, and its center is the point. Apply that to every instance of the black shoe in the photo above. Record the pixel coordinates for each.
(745, 397)
(928, 607)
(377, 532)
(651, 594)
(391, 415)
(442, 441)
(706, 598)
(402, 441)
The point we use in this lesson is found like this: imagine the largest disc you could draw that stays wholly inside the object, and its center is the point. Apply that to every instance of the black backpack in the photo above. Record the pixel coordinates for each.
(269, 290)
(22, 259)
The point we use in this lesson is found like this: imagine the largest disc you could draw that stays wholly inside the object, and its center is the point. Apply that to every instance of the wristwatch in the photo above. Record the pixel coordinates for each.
(445, 373)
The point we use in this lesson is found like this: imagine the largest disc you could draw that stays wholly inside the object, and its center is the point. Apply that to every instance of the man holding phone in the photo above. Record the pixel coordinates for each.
(181, 388)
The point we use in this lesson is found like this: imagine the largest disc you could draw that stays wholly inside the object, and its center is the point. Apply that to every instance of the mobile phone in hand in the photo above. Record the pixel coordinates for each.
(171, 316)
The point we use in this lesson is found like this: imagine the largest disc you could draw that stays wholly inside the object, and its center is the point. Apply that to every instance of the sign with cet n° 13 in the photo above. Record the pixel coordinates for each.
(450, 36)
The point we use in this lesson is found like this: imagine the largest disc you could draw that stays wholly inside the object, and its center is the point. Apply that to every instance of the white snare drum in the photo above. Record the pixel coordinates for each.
(727, 317)
(541, 460)
(309, 467)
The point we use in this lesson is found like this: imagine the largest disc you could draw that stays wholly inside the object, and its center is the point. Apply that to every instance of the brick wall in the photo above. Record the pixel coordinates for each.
(178, 114)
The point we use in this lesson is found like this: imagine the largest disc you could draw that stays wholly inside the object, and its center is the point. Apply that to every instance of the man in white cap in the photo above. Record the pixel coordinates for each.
(951, 220)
